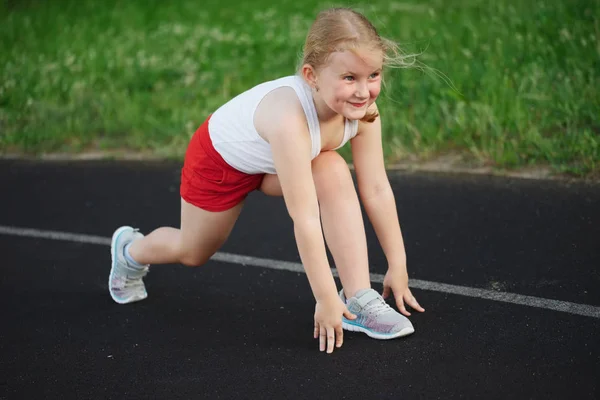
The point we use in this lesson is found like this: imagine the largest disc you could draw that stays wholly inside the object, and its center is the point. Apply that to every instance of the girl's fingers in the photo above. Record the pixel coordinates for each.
(322, 338)
(330, 339)
(401, 308)
(348, 314)
(414, 304)
(400, 303)
(316, 330)
(386, 292)
(411, 301)
(339, 336)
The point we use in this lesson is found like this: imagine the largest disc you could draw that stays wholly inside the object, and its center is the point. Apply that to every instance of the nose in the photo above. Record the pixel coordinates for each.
(362, 90)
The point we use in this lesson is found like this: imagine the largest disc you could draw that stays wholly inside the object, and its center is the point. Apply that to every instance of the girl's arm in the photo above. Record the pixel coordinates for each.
(375, 191)
(281, 121)
(378, 199)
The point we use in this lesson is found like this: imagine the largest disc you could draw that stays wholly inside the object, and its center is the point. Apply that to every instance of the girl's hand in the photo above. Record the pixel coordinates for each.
(328, 323)
(396, 282)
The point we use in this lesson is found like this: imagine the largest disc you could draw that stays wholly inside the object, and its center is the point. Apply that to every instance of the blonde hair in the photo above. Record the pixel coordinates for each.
(341, 29)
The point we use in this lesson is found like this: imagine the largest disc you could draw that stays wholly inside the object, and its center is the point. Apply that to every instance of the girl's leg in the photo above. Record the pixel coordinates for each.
(345, 236)
(342, 221)
(201, 234)
(341, 218)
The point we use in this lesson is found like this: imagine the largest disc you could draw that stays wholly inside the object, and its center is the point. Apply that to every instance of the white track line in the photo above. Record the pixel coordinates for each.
(513, 298)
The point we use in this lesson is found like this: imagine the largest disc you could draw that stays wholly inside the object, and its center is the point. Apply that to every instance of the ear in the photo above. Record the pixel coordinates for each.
(309, 74)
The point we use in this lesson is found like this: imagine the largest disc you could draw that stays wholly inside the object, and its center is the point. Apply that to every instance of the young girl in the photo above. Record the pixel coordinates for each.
(280, 137)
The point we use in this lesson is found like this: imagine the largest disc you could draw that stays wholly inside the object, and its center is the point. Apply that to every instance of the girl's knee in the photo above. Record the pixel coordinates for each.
(197, 253)
(194, 259)
(327, 159)
(196, 256)
(331, 172)
(191, 260)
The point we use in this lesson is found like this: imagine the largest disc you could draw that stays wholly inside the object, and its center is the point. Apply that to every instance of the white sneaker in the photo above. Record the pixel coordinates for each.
(125, 282)
(374, 316)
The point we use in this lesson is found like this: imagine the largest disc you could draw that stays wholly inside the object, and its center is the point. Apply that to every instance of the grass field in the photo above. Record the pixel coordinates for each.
(141, 75)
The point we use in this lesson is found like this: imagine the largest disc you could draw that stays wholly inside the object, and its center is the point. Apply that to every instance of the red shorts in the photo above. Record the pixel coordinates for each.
(207, 181)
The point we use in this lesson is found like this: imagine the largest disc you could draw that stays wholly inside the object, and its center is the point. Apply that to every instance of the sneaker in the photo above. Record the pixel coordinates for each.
(374, 316)
(125, 280)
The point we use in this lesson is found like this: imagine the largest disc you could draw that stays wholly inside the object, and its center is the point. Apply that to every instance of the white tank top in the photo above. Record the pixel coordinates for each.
(232, 131)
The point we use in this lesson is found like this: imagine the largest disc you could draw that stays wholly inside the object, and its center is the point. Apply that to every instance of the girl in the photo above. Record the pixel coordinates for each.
(280, 137)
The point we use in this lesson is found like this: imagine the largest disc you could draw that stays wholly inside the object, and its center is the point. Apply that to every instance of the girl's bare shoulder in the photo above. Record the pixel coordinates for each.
(278, 111)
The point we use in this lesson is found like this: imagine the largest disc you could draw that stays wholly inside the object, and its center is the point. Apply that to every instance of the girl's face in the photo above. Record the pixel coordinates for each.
(351, 82)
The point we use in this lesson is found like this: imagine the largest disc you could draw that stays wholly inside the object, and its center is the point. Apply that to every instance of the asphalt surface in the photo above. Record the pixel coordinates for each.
(227, 330)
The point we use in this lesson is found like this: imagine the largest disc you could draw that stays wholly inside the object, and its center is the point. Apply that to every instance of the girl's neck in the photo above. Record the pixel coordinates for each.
(324, 113)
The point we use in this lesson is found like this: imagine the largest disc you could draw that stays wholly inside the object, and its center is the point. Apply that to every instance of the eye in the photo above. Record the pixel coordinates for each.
(349, 78)
(374, 75)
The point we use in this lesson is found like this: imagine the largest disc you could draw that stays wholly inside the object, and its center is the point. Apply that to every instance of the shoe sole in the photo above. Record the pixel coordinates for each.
(382, 336)
(113, 257)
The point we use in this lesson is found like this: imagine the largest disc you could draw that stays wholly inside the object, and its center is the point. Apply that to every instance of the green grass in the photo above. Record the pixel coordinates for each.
(142, 75)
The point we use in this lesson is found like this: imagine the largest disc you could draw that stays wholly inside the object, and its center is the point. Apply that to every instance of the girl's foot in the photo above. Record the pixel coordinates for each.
(374, 316)
(125, 282)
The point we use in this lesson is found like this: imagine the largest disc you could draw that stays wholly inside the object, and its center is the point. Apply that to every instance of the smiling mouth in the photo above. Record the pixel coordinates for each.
(359, 105)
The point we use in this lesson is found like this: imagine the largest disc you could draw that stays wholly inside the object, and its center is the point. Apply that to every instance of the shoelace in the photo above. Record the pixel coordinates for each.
(134, 278)
(378, 307)
(132, 284)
